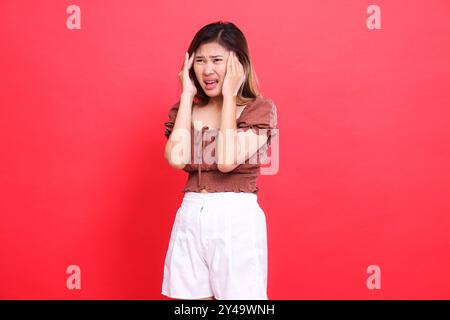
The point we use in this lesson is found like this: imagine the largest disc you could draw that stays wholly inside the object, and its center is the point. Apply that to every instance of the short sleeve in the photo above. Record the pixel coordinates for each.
(262, 114)
(168, 125)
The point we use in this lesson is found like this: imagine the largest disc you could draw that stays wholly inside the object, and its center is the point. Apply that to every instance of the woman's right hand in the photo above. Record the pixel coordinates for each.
(187, 83)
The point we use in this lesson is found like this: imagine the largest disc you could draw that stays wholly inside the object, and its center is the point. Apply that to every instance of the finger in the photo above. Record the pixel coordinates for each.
(241, 68)
(191, 60)
(234, 63)
(186, 60)
(238, 64)
(229, 61)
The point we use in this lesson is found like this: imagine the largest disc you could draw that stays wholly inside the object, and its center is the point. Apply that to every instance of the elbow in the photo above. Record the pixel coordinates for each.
(177, 166)
(174, 164)
(225, 167)
(174, 161)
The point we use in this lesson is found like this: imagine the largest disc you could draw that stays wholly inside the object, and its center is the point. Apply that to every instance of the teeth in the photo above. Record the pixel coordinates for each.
(209, 82)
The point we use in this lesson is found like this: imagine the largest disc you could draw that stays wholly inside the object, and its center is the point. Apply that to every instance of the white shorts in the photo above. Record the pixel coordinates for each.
(217, 247)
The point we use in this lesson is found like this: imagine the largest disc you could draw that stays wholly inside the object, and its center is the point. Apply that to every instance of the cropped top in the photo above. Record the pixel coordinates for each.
(261, 113)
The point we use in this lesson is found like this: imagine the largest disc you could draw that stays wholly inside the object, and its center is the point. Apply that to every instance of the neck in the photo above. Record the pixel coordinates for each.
(216, 101)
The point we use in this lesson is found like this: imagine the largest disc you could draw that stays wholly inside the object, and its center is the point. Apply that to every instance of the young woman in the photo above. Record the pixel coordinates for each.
(218, 243)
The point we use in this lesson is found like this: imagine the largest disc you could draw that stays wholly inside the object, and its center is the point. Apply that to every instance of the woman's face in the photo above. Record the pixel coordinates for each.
(210, 64)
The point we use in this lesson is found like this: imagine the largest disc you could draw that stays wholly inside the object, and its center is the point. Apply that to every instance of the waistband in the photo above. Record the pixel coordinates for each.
(220, 196)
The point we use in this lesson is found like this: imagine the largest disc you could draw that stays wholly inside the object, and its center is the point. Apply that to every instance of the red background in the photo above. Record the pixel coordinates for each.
(364, 145)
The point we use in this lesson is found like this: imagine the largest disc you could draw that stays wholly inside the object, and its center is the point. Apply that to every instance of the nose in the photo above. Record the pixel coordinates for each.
(208, 68)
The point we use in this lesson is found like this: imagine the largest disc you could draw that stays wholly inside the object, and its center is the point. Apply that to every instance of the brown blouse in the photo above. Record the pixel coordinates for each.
(261, 113)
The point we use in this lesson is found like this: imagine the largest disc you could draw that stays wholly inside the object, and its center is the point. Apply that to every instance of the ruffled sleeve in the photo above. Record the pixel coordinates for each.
(261, 114)
(168, 125)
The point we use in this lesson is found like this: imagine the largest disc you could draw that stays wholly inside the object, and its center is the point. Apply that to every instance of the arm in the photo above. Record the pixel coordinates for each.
(232, 149)
(235, 147)
(178, 146)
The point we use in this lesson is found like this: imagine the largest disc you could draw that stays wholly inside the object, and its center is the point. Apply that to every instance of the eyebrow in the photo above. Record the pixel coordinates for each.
(210, 56)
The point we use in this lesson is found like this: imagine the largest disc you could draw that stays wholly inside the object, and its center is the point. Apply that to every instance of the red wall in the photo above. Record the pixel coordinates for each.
(364, 145)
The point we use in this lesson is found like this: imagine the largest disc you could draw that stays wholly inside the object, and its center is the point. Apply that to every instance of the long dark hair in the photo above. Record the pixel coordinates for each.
(230, 37)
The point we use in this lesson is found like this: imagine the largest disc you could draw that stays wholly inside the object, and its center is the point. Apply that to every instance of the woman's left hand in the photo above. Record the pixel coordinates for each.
(234, 77)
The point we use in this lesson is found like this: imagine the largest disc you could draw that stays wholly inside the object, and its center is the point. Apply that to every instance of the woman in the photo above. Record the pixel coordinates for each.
(218, 243)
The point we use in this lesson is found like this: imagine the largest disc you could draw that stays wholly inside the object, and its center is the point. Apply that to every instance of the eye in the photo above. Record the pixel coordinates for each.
(217, 59)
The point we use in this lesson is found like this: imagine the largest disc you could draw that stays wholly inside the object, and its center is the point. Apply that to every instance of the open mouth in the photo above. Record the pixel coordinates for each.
(211, 84)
